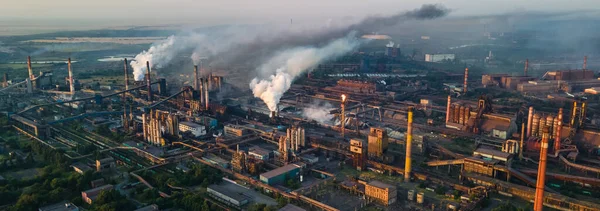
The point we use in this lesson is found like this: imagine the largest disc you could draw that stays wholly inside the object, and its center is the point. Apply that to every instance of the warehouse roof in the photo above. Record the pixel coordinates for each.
(279, 171)
(231, 194)
(381, 184)
(490, 152)
(291, 207)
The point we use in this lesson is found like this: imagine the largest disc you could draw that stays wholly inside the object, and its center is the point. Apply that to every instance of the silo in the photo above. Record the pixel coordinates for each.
(456, 113)
(467, 114)
(451, 115)
(535, 125)
(461, 117)
(550, 122)
(542, 125)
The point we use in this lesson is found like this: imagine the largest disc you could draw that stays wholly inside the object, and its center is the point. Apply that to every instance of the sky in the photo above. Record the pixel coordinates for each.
(211, 12)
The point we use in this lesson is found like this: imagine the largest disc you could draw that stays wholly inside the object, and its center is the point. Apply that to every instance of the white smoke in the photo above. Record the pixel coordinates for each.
(319, 112)
(390, 44)
(286, 66)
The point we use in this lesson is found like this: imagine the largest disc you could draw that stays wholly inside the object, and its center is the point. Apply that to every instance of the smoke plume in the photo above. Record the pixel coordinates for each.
(289, 64)
(319, 112)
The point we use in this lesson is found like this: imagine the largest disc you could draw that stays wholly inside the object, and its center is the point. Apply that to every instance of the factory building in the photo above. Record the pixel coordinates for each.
(235, 131)
(238, 161)
(105, 164)
(193, 128)
(291, 207)
(259, 153)
(227, 196)
(568, 75)
(543, 86)
(356, 86)
(294, 140)
(212, 158)
(279, 175)
(157, 124)
(381, 192)
(90, 195)
(438, 57)
(359, 154)
(377, 142)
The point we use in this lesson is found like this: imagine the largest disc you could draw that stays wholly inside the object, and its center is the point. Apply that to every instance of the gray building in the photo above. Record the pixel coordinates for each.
(227, 196)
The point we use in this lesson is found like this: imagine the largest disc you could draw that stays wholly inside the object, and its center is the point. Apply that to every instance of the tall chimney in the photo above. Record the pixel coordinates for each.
(582, 114)
(343, 117)
(573, 113)
(126, 74)
(71, 84)
(5, 80)
(557, 138)
(529, 121)
(407, 165)
(210, 81)
(448, 109)
(196, 83)
(584, 63)
(466, 78)
(206, 101)
(541, 178)
(526, 66)
(29, 67)
(148, 81)
(522, 139)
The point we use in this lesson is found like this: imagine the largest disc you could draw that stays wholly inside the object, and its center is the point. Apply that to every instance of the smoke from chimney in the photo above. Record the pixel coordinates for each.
(290, 64)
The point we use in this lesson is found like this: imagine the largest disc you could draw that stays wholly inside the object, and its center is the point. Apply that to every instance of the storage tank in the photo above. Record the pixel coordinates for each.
(467, 114)
(542, 125)
(411, 195)
(550, 124)
(420, 197)
(535, 125)
(451, 116)
(456, 113)
(554, 127)
(461, 117)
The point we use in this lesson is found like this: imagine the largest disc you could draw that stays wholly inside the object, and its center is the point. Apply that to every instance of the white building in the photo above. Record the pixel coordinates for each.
(195, 129)
(438, 57)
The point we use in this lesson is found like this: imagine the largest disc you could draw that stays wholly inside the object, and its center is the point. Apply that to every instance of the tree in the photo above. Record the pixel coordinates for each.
(205, 206)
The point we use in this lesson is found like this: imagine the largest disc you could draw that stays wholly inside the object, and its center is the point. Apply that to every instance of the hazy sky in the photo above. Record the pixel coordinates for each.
(206, 12)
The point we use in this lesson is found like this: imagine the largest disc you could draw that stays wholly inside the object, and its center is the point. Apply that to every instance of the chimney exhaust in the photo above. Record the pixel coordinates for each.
(71, 84)
(148, 80)
(407, 165)
(541, 178)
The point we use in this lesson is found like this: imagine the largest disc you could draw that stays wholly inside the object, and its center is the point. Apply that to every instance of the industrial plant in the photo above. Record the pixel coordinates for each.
(353, 123)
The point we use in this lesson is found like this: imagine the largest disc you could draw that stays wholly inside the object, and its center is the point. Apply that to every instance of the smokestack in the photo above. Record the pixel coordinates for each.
(5, 80)
(148, 81)
(529, 121)
(522, 139)
(448, 109)
(343, 116)
(407, 165)
(196, 83)
(558, 130)
(584, 63)
(526, 66)
(541, 178)
(29, 67)
(71, 84)
(210, 83)
(466, 78)
(126, 74)
(206, 94)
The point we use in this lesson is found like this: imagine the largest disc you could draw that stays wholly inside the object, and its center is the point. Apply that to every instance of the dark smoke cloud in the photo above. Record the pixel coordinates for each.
(250, 53)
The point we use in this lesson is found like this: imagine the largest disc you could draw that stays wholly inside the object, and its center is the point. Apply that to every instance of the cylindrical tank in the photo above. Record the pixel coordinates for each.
(411, 195)
(542, 125)
(461, 117)
(456, 113)
(550, 122)
(535, 125)
(467, 114)
(420, 197)
(451, 116)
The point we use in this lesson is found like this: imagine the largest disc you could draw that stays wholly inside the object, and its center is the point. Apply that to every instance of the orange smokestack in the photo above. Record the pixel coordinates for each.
(148, 80)
(529, 121)
(448, 109)
(71, 84)
(466, 78)
(407, 165)
(29, 67)
(558, 130)
(541, 178)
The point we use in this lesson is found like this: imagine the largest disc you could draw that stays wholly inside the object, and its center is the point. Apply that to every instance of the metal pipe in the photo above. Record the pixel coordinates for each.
(541, 178)
(407, 165)
(557, 137)
(526, 66)
(31, 76)
(466, 78)
(529, 121)
(71, 84)
(126, 74)
(448, 109)
(148, 80)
